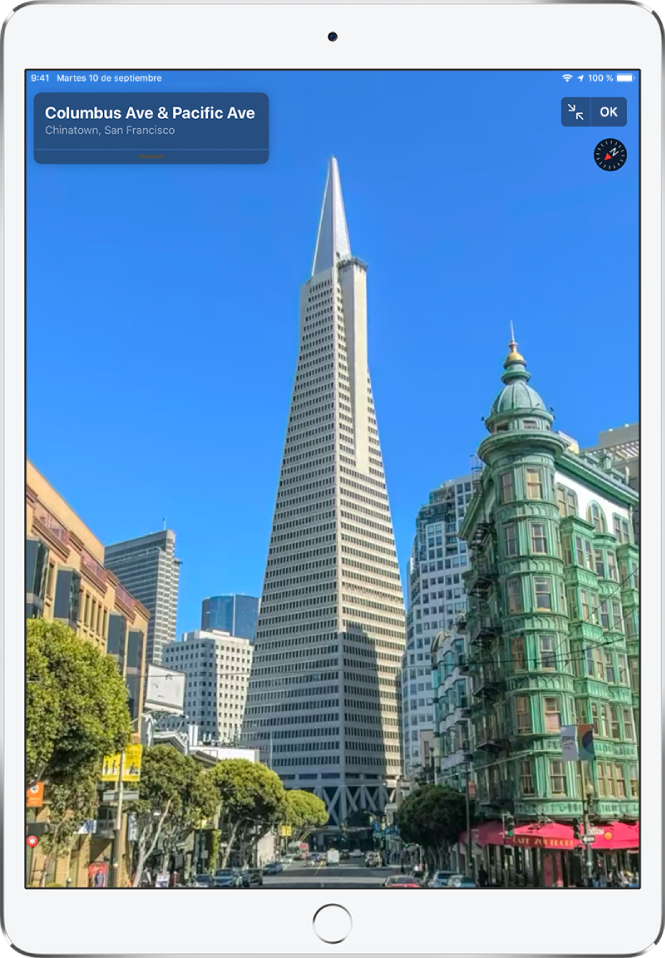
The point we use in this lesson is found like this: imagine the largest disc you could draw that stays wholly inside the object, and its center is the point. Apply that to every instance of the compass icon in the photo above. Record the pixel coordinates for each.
(610, 155)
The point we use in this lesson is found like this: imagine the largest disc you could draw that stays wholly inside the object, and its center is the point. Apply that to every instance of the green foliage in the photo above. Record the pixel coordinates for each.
(76, 705)
(214, 850)
(174, 795)
(432, 817)
(251, 801)
(303, 811)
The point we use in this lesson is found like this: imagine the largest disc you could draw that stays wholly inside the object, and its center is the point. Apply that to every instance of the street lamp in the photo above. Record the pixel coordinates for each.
(587, 799)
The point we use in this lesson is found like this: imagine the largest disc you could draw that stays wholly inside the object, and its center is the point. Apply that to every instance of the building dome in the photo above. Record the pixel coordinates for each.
(517, 399)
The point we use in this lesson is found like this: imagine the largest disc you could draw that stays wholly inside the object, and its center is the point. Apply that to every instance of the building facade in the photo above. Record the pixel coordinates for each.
(623, 445)
(453, 756)
(66, 581)
(553, 618)
(436, 600)
(234, 613)
(324, 688)
(217, 666)
(148, 567)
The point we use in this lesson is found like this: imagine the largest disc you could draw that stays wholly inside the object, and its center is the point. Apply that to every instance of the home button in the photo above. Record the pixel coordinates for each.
(332, 924)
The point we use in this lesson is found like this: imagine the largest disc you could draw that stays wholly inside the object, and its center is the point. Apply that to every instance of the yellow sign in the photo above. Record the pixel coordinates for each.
(111, 768)
(285, 831)
(131, 768)
(131, 765)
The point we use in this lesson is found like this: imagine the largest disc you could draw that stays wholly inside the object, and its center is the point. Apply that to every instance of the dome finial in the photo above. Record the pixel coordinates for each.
(513, 356)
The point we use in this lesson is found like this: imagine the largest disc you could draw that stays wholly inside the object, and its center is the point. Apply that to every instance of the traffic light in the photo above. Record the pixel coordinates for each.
(509, 825)
(576, 829)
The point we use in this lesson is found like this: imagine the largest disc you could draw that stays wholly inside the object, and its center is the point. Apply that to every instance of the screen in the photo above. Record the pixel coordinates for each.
(332, 479)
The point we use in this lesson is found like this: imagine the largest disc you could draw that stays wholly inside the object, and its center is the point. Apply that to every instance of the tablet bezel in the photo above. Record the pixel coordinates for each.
(42, 36)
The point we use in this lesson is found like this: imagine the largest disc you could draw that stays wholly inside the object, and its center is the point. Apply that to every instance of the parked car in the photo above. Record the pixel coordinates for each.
(202, 881)
(440, 879)
(273, 868)
(315, 857)
(372, 860)
(228, 878)
(402, 881)
(356, 853)
(344, 856)
(461, 881)
(252, 878)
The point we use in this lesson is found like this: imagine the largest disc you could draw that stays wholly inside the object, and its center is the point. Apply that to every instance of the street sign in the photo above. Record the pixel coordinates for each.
(588, 839)
(131, 765)
(34, 797)
(127, 796)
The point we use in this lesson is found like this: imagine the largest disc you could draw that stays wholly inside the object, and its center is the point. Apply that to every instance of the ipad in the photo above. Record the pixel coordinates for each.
(332, 451)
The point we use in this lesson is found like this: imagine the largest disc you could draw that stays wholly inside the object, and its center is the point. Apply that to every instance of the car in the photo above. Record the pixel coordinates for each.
(202, 881)
(440, 879)
(344, 856)
(461, 881)
(402, 881)
(315, 857)
(372, 860)
(273, 868)
(356, 853)
(228, 878)
(287, 860)
(252, 878)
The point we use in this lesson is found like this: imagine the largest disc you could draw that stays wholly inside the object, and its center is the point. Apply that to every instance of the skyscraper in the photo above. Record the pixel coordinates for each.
(232, 613)
(147, 566)
(323, 702)
(623, 445)
(436, 600)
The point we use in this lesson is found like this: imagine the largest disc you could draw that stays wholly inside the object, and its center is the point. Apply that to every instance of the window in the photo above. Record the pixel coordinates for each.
(588, 552)
(580, 711)
(634, 781)
(514, 587)
(628, 724)
(519, 655)
(585, 605)
(543, 594)
(614, 721)
(579, 551)
(526, 777)
(604, 615)
(600, 776)
(523, 714)
(617, 618)
(547, 652)
(563, 606)
(609, 666)
(612, 567)
(604, 714)
(593, 605)
(534, 484)
(621, 529)
(600, 565)
(538, 538)
(598, 659)
(552, 715)
(635, 675)
(507, 489)
(567, 550)
(621, 784)
(557, 778)
(594, 718)
(595, 517)
(529, 423)
(566, 501)
(622, 663)
(510, 538)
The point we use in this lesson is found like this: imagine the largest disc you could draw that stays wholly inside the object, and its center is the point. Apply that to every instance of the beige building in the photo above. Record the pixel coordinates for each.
(66, 580)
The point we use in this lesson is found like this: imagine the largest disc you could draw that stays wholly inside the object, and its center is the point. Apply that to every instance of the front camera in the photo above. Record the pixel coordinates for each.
(332, 36)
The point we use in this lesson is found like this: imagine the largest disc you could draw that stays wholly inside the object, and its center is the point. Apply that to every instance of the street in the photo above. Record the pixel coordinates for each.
(352, 874)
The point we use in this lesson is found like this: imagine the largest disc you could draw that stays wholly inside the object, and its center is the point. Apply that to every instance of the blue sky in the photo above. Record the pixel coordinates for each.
(163, 302)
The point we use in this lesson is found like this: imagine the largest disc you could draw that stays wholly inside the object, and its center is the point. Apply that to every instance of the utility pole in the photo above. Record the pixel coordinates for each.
(587, 792)
(470, 869)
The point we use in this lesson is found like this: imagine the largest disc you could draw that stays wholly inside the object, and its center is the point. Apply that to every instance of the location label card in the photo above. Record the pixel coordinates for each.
(151, 128)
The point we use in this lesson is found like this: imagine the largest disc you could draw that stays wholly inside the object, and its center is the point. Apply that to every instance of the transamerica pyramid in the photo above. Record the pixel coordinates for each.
(323, 701)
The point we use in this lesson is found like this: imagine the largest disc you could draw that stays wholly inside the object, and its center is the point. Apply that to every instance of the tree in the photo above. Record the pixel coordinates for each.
(174, 795)
(303, 811)
(432, 817)
(70, 803)
(76, 705)
(251, 801)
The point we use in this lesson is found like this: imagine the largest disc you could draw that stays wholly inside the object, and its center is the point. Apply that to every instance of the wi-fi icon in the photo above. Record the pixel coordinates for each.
(567, 77)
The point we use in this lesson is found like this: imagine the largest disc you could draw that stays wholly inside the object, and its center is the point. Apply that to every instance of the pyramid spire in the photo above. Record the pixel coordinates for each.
(332, 239)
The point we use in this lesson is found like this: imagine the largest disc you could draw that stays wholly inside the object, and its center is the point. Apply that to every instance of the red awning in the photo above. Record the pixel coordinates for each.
(616, 835)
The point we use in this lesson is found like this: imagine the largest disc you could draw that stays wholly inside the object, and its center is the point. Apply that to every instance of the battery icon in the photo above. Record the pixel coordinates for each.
(624, 77)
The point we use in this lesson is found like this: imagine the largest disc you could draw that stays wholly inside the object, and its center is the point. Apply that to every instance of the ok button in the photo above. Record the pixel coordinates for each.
(332, 924)
(608, 111)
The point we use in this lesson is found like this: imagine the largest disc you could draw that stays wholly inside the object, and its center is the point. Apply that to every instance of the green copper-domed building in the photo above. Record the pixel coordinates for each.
(553, 634)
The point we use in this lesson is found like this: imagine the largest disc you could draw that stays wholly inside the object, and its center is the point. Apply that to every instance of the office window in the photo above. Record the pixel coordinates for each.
(557, 777)
(510, 538)
(507, 488)
(552, 715)
(543, 589)
(514, 587)
(523, 713)
(547, 652)
(538, 538)
(534, 484)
